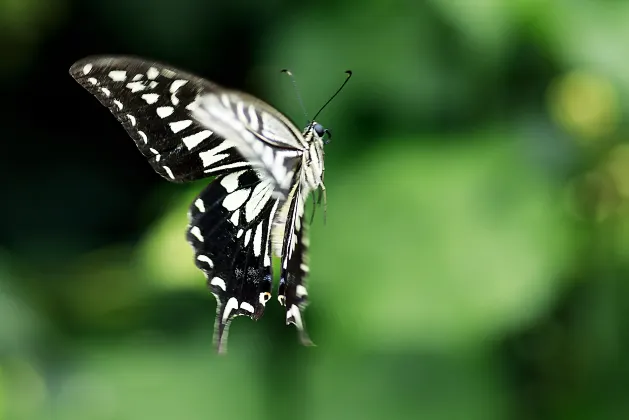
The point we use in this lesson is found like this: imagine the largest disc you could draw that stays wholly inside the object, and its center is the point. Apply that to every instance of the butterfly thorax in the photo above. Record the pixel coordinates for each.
(313, 166)
(309, 178)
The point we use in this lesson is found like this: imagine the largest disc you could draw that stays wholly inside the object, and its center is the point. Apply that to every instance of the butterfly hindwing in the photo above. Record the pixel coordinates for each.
(229, 229)
(153, 102)
(290, 240)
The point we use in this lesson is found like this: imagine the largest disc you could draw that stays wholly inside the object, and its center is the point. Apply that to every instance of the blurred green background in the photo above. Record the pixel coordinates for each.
(475, 259)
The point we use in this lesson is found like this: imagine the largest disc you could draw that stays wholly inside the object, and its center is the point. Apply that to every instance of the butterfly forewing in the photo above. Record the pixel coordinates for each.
(261, 134)
(153, 102)
(230, 226)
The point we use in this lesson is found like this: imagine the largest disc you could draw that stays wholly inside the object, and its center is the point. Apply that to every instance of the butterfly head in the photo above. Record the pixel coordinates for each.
(322, 132)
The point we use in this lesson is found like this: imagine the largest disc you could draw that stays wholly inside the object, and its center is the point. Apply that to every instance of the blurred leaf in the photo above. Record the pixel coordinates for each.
(488, 25)
(588, 36)
(585, 105)
(156, 25)
(402, 73)
(438, 245)
(165, 255)
(19, 324)
(22, 389)
(23, 23)
(155, 379)
(368, 386)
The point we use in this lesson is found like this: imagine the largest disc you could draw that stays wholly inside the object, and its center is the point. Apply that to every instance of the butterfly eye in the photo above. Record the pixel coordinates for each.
(318, 128)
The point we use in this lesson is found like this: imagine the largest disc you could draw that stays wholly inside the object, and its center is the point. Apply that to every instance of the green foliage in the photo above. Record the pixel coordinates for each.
(439, 224)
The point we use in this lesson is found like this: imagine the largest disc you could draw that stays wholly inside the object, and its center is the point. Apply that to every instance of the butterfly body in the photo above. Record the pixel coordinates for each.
(189, 128)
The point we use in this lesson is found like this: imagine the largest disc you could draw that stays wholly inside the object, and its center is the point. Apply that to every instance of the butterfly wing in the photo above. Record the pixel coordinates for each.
(290, 235)
(275, 148)
(230, 226)
(267, 139)
(153, 101)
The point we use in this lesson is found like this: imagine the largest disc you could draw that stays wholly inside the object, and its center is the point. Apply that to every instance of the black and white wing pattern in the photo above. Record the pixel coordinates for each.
(230, 229)
(152, 101)
(189, 128)
(290, 240)
(265, 137)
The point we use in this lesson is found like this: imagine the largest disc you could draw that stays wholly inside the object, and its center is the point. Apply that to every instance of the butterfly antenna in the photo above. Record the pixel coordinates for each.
(349, 76)
(301, 102)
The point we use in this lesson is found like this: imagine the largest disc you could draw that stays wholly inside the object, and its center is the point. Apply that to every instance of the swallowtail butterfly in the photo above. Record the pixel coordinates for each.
(189, 128)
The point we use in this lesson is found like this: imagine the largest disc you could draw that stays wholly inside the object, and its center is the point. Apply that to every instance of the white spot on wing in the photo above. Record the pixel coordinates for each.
(165, 111)
(230, 182)
(150, 98)
(239, 234)
(301, 291)
(141, 133)
(264, 297)
(169, 172)
(92, 80)
(132, 119)
(194, 139)
(87, 68)
(136, 86)
(211, 156)
(247, 307)
(206, 259)
(118, 75)
(200, 205)
(235, 217)
(118, 104)
(177, 126)
(219, 282)
(294, 311)
(106, 91)
(196, 232)
(261, 194)
(247, 236)
(152, 73)
(236, 199)
(267, 257)
(228, 166)
(174, 86)
(257, 241)
(232, 304)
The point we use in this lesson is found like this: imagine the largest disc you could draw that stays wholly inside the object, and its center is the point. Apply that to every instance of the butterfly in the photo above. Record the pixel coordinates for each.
(189, 128)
